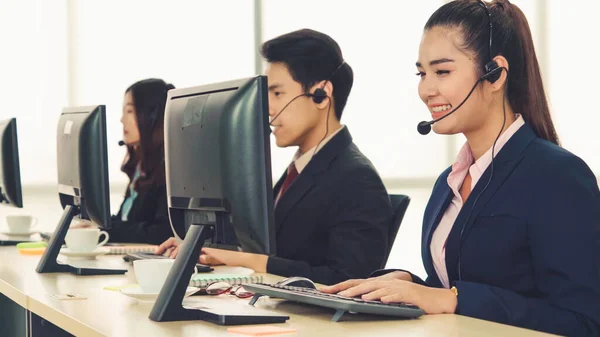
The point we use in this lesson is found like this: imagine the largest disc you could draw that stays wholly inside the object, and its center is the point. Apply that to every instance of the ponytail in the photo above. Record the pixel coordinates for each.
(526, 94)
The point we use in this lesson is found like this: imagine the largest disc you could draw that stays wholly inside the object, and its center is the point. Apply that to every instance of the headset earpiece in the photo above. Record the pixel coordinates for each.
(319, 95)
(492, 69)
(492, 72)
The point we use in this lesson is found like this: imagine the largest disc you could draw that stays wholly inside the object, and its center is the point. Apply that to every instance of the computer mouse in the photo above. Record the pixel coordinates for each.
(297, 281)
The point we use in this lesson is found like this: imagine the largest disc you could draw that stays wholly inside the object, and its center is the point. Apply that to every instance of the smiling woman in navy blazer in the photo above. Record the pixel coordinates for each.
(511, 232)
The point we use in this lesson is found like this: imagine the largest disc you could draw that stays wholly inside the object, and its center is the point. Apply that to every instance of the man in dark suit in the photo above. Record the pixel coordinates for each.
(332, 212)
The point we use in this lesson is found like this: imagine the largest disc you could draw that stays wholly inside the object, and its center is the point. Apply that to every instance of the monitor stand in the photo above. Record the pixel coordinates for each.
(168, 306)
(48, 262)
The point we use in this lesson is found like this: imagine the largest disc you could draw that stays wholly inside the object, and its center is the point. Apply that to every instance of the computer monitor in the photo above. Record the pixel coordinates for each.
(218, 162)
(10, 176)
(82, 163)
(218, 173)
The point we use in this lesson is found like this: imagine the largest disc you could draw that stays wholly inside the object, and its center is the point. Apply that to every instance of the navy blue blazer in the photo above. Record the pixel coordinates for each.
(530, 250)
(331, 213)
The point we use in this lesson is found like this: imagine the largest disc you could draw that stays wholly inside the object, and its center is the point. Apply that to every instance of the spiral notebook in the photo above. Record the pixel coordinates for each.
(129, 249)
(203, 280)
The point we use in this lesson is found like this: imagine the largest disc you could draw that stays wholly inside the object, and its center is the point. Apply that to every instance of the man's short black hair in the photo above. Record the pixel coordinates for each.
(312, 57)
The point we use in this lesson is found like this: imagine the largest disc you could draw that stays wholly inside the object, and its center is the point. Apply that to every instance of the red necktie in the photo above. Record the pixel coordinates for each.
(292, 173)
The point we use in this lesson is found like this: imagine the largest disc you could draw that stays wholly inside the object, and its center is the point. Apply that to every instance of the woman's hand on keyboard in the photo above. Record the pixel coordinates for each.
(431, 300)
(395, 275)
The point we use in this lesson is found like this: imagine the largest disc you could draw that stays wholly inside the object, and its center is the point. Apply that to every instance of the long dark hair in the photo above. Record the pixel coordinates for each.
(149, 99)
(511, 39)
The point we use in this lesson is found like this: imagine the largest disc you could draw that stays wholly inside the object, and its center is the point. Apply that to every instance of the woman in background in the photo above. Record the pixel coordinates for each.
(143, 215)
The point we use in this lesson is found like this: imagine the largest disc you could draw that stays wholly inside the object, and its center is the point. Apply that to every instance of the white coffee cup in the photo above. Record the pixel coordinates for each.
(151, 274)
(20, 223)
(84, 239)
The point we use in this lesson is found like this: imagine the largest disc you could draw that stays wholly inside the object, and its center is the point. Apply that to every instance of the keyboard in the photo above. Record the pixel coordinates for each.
(340, 303)
(202, 268)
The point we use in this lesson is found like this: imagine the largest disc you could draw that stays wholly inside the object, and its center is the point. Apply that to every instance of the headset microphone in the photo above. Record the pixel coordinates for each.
(424, 127)
(121, 143)
(318, 97)
(492, 74)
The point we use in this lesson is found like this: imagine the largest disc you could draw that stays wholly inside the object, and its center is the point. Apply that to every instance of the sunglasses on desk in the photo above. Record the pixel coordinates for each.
(219, 288)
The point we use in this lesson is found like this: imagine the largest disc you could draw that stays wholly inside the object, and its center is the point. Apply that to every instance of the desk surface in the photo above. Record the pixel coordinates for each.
(109, 313)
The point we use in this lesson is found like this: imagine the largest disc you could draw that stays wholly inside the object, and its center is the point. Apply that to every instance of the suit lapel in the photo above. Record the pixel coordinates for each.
(505, 162)
(278, 185)
(307, 179)
(294, 194)
(441, 198)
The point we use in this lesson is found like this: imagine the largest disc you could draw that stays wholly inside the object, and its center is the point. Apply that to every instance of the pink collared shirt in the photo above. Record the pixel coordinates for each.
(464, 163)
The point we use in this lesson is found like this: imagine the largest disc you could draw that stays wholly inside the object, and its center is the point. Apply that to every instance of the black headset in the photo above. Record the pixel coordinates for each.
(492, 72)
(153, 119)
(492, 69)
(318, 96)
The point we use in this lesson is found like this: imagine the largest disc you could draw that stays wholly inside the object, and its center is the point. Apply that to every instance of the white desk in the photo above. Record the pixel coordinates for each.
(109, 313)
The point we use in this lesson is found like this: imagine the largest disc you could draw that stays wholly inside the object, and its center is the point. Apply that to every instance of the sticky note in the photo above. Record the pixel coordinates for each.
(260, 330)
(23, 245)
(32, 251)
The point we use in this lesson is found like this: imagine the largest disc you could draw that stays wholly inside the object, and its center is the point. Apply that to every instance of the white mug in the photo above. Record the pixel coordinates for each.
(151, 274)
(20, 223)
(85, 239)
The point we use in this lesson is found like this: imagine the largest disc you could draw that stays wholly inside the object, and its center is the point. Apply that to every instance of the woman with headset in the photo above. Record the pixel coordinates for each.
(511, 232)
(143, 215)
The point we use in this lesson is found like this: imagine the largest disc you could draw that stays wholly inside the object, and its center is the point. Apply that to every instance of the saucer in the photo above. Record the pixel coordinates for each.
(84, 255)
(140, 295)
(26, 233)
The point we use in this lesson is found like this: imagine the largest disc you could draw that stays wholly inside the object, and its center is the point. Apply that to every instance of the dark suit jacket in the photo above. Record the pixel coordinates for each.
(531, 247)
(148, 220)
(332, 223)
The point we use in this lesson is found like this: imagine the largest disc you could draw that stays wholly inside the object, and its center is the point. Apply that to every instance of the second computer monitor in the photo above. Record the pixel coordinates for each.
(82, 162)
(218, 161)
(82, 182)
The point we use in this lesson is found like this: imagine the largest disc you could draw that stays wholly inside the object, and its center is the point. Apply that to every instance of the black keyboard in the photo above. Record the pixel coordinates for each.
(340, 303)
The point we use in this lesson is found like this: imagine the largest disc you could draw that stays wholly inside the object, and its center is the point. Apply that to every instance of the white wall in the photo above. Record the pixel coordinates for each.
(33, 80)
(573, 34)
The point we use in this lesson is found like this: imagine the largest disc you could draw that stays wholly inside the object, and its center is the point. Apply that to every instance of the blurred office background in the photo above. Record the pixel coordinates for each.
(67, 52)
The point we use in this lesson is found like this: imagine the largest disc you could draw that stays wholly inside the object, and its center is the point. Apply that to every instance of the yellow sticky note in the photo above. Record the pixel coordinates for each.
(32, 251)
(260, 330)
